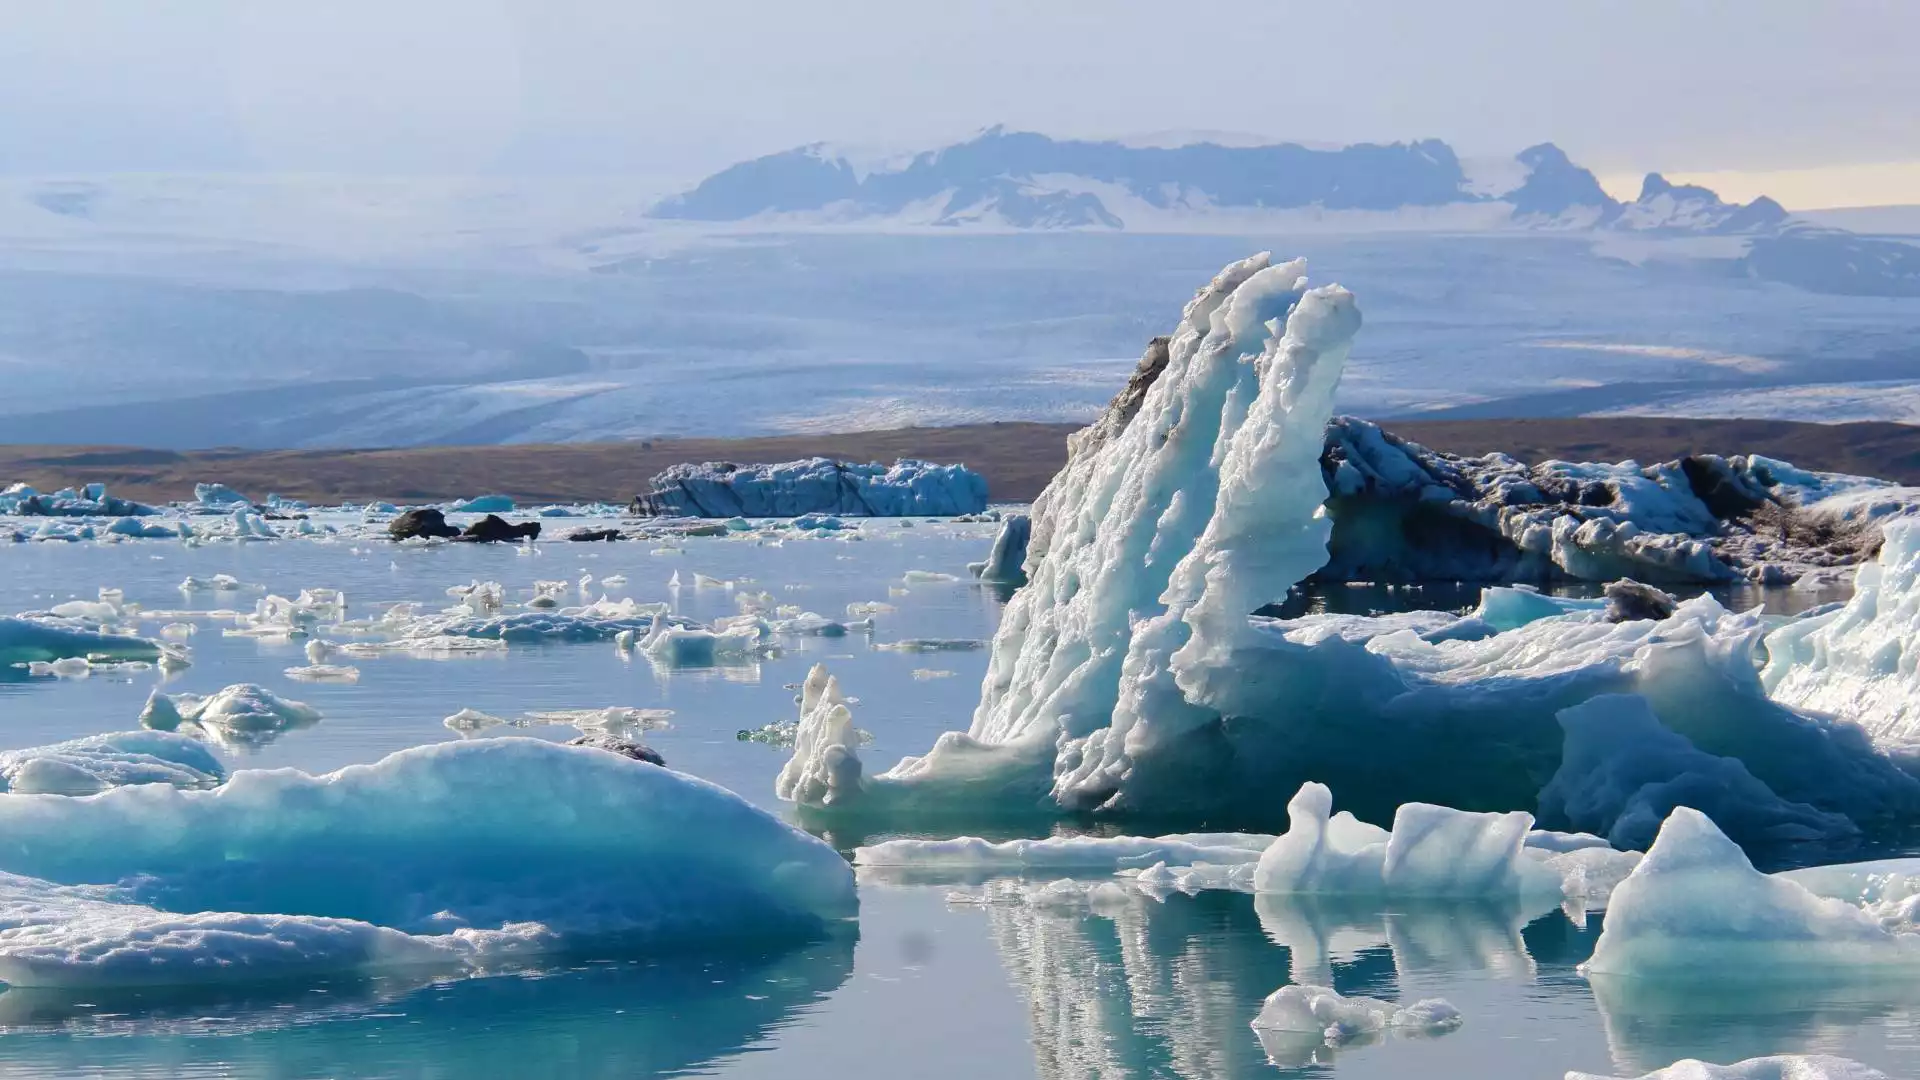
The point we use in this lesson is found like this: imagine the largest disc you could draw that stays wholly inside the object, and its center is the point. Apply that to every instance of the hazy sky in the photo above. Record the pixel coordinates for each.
(677, 89)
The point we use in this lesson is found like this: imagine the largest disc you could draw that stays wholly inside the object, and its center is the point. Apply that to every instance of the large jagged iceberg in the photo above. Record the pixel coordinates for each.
(457, 853)
(813, 486)
(1127, 676)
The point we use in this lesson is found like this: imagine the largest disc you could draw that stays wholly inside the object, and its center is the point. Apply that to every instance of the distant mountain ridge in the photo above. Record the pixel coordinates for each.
(1026, 180)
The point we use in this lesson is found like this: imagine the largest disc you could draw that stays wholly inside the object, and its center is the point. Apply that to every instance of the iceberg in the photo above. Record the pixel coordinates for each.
(1005, 562)
(95, 763)
(1130, 677)
(456, 854)
(813, 486)
(90, 501)
(24, 641)
(240, 715)
(486, 504)
(1696, 910)
(219, 496)
(1318, 1010)
(1782, 1067)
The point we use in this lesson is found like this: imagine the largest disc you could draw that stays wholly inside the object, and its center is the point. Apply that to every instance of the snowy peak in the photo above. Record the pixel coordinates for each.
(1558, 192)
(1666, 207)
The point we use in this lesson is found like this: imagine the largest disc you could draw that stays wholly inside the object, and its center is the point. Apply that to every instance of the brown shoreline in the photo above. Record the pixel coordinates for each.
(1017, 458)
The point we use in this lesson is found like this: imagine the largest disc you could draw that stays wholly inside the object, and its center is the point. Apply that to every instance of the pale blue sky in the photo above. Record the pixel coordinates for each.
(676, 89)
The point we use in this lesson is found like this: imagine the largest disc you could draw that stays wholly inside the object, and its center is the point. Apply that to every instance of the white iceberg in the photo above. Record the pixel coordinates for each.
(1695, 910)
(457, 853)
(813, 486)
(89, 765)
(1318, 1010)
(1005, 563)
(240, 715)
(219, 496)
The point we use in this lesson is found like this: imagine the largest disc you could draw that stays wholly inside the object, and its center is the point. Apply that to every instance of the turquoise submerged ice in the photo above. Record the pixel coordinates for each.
(457, 853)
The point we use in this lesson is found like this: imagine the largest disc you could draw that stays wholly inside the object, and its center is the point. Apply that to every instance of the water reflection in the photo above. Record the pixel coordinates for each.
(611, 1018)
(1649, 1025)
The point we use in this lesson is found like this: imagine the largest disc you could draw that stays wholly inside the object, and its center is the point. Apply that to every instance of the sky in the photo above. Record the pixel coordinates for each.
(1822, 96)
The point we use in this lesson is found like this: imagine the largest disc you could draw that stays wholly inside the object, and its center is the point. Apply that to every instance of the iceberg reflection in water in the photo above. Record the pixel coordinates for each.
(1132, 986)
(633, 1017)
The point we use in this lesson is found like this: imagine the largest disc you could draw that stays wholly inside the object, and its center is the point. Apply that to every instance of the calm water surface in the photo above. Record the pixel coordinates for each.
(929, 985)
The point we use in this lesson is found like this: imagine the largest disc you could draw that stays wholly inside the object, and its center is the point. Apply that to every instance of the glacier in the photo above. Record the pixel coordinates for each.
(813, 486)
(1127, 676)
(456, 855)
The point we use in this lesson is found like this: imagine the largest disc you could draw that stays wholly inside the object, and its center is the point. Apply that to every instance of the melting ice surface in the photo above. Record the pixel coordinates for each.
(1024, 960)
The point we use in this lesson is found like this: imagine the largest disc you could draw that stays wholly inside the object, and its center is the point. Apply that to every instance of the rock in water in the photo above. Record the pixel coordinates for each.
(425, 521)
(1629, 601)
(492, 528)
(624, 747)
(590, 536)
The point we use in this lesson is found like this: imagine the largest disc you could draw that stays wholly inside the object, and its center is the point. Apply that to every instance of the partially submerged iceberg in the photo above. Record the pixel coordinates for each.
(219, 496)
(1005, 562)
(90, 765)
(813, 486)
(1402, 512)
(460, 853)
(89, 501)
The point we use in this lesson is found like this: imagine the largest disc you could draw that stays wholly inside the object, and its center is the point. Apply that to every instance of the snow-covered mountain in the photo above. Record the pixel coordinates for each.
(1017, 181)
(1025, 180)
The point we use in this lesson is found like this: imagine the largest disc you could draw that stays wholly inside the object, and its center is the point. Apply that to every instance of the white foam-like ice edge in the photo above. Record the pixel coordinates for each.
(461, 853)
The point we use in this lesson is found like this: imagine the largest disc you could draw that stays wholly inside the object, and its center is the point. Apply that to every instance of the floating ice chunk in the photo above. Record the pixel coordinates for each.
(136, 529)
(1696, 910)
(924, 674)
(1319, 1010)
(24, 641)
(1622, 772)
(469, 841)
(219, 495)
(1077, 853)
(324, 673)
(240, 715)
(467, 720)
(920, 577)
(485, 504)
(825, 767)
(616, 718)
(683, 646)
(1783, 1067)
(178, 631)
(867, 609)
(216, 583)
(479, 596)
(922, 645)
(93, 611)
(1432, 851)
(614, 581)
(1005, 561)
(95, 763)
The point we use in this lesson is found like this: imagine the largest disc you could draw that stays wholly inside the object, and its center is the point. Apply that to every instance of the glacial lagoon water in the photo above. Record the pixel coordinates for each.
(937, 980)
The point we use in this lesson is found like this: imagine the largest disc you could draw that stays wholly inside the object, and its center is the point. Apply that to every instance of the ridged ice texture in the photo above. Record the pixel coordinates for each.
(95, 763)
(825, 767)
(483, 836)
(1151, 524)
(1862, 661)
